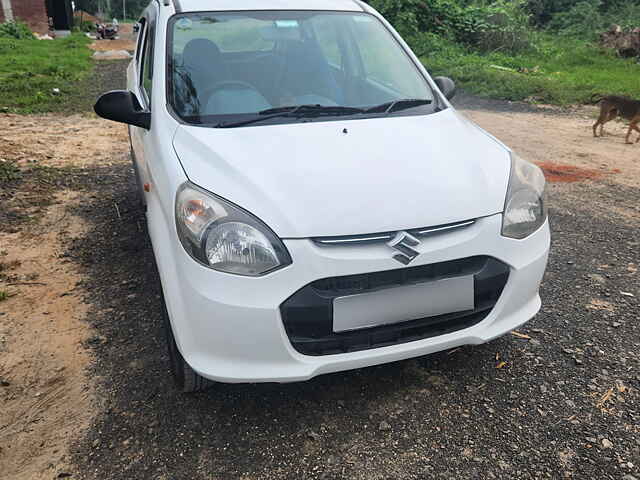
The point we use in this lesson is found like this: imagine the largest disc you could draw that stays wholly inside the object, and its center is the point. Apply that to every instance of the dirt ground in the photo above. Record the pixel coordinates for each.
(47, 398)
(551, 139)
(84, 387)
(125, 40)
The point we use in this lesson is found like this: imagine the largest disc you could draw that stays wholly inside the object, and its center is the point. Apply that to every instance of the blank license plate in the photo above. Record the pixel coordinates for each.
(401, 304)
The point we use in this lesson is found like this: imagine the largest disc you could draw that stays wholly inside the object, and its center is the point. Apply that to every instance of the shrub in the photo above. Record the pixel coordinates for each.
(8, 172)
(431, 44)
(502, 24)
(84, 25)
(627, 15)
(17, 30)
(402, 14)
(583, 19)
(588, 18)
(542, 11)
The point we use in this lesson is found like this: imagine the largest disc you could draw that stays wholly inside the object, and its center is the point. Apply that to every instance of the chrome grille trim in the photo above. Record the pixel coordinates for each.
(450, 226)
(383, 237)
(386, 236)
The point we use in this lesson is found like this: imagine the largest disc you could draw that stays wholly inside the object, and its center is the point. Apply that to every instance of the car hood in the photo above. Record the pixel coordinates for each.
(350, 177)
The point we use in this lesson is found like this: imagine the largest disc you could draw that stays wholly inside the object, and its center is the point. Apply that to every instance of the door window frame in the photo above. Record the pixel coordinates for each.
(149, 17)
(141, 33)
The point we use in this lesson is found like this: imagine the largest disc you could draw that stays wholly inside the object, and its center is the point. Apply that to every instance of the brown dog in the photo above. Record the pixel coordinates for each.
(611, 106)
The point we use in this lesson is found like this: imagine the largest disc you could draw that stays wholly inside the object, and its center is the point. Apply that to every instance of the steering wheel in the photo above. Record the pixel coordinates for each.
(208, 92)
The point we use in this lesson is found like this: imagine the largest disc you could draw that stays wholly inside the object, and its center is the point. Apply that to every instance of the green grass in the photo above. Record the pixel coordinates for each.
(31, 69)
(9, 172)
(557, 70)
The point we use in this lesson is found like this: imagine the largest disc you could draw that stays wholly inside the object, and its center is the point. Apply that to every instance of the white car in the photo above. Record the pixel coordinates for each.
(314, 201)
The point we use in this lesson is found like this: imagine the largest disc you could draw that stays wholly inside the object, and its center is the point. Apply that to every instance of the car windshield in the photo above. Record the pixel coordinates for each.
(229, 67)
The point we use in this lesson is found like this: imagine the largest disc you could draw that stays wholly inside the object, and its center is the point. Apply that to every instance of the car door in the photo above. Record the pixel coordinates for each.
(140, 83)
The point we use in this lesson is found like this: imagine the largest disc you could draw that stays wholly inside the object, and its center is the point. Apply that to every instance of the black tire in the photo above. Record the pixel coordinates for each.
(185, 377)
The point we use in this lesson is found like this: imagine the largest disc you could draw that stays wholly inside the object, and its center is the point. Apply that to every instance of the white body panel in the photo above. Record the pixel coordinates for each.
(312, 180)
(230, 328)
(385, 174)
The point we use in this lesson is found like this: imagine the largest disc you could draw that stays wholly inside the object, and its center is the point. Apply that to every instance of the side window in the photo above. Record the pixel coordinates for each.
(147, 62)
(141, 32)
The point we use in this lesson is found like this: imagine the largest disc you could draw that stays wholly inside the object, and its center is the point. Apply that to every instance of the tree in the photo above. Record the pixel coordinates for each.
(134, 8)
(112, 8)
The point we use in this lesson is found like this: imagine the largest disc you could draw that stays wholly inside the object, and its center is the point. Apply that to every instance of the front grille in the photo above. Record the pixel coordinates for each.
(386, 236)
(308, 314)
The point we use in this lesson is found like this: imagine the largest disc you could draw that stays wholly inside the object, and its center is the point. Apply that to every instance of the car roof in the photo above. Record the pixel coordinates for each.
(235, 5)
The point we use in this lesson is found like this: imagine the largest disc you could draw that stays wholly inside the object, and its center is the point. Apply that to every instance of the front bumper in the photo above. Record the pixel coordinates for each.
(229, 328)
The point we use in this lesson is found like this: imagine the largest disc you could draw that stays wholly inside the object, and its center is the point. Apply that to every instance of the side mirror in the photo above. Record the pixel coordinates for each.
(446, 86)
(122, 106)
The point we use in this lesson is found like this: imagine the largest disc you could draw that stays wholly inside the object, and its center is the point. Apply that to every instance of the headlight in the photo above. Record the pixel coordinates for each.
(524, 208)
(224, 237)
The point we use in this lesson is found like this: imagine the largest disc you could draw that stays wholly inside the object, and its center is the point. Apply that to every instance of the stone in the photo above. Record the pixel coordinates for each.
(112, 55)
(384, 426)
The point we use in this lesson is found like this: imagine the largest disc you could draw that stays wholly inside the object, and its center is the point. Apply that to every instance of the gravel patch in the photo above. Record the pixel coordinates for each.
(560, 399)
(107, 75)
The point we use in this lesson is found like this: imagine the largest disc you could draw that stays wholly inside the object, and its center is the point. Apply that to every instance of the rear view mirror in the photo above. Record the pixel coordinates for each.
(446, 86)
(122, 106)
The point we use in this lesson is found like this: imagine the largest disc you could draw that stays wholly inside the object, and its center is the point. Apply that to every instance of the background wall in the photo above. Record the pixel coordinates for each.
(33, 12)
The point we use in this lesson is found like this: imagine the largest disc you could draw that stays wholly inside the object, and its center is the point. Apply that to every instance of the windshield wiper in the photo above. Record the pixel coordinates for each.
(314, 109)
(397, 105)
(294, 111)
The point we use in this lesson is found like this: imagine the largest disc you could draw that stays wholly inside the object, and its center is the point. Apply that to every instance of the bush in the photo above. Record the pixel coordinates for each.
(558, 70)
(17, 30)
(502, 24)
(8, 172)
(84, 25)
(542, 11)
(490, 23)
(428, 45)
(627, 15)
(588, 18)
(583, 19)
(504, 27)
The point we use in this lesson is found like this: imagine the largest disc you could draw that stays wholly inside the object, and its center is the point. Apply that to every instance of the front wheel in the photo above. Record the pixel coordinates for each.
(185, 377)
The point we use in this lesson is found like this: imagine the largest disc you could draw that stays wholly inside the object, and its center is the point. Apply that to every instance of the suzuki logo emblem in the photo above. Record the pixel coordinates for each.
(403, 243)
